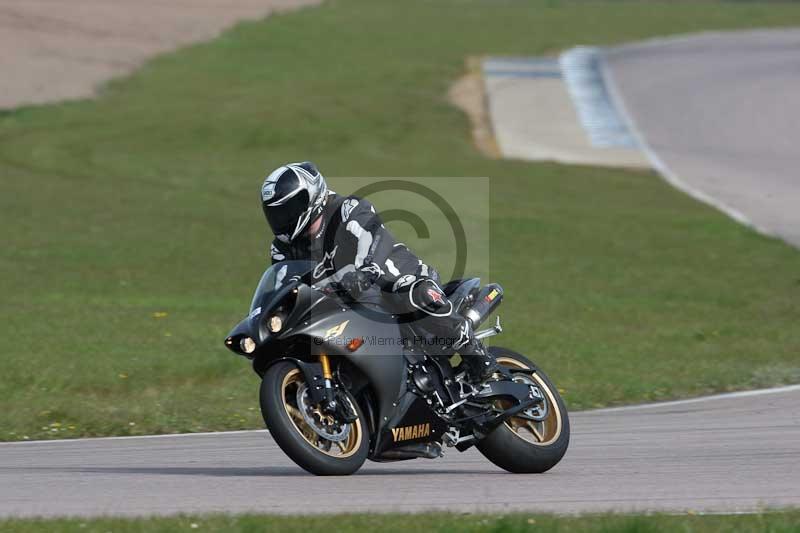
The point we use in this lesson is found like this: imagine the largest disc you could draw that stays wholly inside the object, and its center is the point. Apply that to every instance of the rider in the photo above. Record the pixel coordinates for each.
(347, 239)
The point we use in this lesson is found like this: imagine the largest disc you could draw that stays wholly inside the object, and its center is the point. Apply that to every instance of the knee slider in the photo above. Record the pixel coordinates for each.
(428, 297)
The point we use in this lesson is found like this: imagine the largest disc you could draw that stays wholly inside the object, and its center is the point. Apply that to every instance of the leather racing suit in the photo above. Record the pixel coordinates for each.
(352, 239)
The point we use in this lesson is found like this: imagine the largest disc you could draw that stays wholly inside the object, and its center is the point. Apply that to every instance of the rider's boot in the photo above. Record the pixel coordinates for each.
(479, 364)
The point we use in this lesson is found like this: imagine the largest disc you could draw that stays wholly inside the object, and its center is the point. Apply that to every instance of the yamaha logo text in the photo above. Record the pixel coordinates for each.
(411, 432)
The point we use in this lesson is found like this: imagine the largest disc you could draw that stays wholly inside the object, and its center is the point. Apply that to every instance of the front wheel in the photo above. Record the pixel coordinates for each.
(522, 445)
(316, 441)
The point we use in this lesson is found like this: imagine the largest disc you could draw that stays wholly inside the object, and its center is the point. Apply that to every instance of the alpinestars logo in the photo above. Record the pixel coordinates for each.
(326, 265)
(347, 208)
(403, 281)
(463, 336)
(436, 296)
(372, 268)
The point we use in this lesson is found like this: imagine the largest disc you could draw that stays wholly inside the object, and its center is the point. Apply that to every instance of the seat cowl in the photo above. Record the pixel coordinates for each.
(458, 289)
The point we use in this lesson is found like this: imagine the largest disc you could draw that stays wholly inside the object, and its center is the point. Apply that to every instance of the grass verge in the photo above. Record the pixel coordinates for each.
(133, 234)
(767, 522)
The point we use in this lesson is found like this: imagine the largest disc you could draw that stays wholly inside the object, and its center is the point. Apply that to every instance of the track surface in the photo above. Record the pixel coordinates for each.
(720, 110)
(721, 114)
(729, 453)
(61, 49)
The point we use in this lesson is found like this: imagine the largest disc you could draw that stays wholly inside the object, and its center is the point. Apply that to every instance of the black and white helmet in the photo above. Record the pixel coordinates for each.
(292, 196)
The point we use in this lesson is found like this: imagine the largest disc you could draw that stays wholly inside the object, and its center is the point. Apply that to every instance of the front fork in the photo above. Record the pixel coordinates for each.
(328, 394)
(333, 401)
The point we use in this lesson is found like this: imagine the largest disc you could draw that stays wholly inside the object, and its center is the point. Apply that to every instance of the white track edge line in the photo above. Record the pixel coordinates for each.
(701, 399)
(713, 397)
(133, 437)
(658, 164)
(681, 38)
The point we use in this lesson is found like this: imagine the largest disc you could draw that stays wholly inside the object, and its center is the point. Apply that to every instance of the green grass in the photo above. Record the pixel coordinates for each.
(784, 522)
(144, 201)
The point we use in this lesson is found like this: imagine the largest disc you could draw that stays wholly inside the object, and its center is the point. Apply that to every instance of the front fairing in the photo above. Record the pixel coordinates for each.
(278, 292)
(321, 323)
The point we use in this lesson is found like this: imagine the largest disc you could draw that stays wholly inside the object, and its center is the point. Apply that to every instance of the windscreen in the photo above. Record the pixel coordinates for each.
(278, 275)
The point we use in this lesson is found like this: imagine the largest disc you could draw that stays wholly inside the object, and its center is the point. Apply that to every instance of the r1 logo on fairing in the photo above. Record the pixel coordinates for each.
(336, 331)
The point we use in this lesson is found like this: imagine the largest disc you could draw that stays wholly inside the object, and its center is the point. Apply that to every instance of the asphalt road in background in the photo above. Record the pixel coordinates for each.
(721, 114)
(62, 49)
(729, 453)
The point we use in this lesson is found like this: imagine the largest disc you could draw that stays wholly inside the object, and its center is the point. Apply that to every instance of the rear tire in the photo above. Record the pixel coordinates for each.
(507, 446)
(296, 437)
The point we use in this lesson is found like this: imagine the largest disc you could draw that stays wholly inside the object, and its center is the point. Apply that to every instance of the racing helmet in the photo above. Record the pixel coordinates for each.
(292, 196)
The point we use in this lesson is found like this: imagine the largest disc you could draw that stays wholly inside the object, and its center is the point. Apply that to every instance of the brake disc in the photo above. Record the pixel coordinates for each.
(326, 426)
(540, 411)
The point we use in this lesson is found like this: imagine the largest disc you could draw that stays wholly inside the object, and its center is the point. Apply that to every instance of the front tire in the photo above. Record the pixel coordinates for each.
(281, 408)
(522, 446)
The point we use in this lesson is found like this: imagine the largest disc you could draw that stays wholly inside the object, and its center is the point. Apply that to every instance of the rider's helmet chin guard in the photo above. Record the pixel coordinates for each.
(292, 196)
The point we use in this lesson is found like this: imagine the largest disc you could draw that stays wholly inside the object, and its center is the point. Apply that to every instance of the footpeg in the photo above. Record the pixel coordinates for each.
(497, 329)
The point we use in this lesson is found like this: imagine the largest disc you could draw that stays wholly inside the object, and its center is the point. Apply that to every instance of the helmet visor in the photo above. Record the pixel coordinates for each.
(283, 218)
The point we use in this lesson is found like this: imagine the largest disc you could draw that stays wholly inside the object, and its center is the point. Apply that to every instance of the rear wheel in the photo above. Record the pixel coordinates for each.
(530, 444)
(315, 440)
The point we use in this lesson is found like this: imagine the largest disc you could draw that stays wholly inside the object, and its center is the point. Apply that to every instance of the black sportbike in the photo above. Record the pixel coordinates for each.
(340, 386)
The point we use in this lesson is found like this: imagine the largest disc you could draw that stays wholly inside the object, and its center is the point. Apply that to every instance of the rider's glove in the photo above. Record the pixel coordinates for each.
(358, 281)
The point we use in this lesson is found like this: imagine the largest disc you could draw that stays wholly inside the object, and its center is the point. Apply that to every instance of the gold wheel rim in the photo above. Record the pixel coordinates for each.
(340, 450)
(538, 433)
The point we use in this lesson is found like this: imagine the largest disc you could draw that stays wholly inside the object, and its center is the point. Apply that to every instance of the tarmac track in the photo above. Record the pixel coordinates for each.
(719, 115)
(57, 50)
(731, 453)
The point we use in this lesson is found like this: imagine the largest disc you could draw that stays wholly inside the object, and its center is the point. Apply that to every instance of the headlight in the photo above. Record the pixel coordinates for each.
(247, 345)
(275, 323)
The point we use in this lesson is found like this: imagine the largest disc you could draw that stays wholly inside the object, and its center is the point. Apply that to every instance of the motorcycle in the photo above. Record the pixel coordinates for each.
(339, 387)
